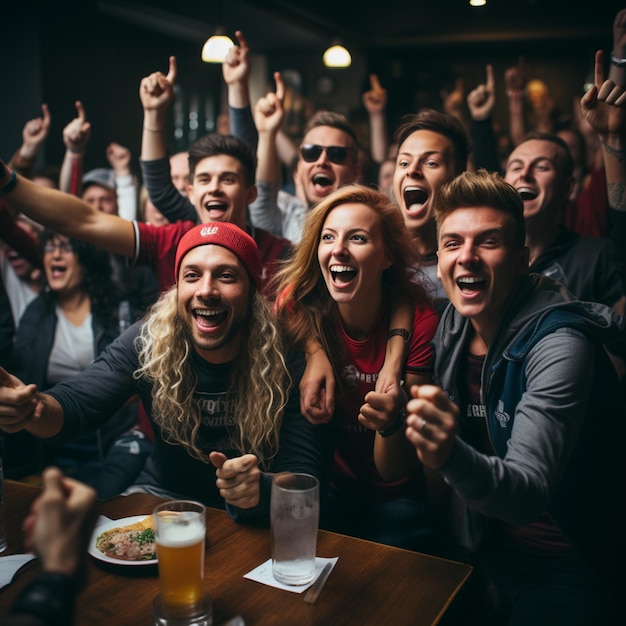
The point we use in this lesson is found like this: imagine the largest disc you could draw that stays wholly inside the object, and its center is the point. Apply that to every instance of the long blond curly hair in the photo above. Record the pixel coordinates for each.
(260, 379)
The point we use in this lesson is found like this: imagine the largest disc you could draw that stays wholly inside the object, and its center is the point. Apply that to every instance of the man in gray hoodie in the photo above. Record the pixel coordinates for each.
(527, 424)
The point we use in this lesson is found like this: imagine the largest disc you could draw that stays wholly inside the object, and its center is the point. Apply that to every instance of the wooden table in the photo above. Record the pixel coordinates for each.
(370, 584)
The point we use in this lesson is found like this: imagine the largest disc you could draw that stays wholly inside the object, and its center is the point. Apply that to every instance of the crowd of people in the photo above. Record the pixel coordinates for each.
(442, 345)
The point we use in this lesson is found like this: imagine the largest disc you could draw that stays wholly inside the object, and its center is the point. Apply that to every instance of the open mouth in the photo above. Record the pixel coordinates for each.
(209, 319)
(471, 284)
(216, 208)
(343, 274)
(414, 198)
(323, 183)
(57, 271)
(526, 193)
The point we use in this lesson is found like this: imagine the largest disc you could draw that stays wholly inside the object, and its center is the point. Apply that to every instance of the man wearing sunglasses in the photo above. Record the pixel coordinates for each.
(328, 159)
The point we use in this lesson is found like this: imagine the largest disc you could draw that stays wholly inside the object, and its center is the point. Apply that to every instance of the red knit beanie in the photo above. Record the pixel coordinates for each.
(228, 236)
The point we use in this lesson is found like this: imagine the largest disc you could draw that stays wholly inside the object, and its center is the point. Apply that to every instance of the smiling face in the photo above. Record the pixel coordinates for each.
(536, 168)
(63, 270)
(352, 256)
(219, 191)
(321, 177)
(214, 293)
(479, 264)
(425, 162)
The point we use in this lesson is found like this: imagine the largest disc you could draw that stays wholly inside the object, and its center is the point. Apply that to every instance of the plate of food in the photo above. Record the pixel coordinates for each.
(126, 541)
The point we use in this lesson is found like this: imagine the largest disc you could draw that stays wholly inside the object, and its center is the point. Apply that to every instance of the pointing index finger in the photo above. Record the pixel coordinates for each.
(173, 70)
(46, 114)
(82, 115)
(280, 86)
(490, 78)
(243, 42)
(598, 70)
(375, 83)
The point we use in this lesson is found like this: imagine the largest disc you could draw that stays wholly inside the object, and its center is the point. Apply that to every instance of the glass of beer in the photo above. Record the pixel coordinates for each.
(180, 531)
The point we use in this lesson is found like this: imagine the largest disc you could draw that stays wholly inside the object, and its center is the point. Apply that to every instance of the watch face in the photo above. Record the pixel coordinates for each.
(325, 85)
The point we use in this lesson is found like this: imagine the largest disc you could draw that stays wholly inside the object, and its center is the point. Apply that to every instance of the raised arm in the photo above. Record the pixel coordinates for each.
(480, 102)
(604, 108)
(119, 158)
(34, 134)
(76, 136)
(514, 83)
(375, 102)
(268, 116)
(67, 214)
(236, 73)
(156, 92)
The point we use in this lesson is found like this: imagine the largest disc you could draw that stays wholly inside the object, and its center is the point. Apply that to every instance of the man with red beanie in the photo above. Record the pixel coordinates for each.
(208, 365)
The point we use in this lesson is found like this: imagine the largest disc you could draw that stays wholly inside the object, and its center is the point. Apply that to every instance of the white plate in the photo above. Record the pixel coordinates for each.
(114, 523)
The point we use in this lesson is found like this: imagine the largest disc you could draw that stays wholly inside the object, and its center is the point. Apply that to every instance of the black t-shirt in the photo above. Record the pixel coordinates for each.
(89, 398)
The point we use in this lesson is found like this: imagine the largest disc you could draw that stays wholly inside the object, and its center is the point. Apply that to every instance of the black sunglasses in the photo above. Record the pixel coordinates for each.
(336, 154)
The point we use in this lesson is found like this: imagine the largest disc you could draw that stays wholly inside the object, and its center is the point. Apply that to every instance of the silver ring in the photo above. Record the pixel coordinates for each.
(422, 425)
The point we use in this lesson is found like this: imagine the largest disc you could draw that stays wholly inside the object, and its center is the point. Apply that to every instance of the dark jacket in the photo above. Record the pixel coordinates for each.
(33, 344)
(556, 418)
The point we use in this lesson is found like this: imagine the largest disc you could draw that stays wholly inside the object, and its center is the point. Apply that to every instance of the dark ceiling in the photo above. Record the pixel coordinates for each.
(284, 25)
(94, 50)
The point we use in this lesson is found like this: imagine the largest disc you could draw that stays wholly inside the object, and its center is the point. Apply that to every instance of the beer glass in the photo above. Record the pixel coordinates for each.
(180, 530)
(294, 519)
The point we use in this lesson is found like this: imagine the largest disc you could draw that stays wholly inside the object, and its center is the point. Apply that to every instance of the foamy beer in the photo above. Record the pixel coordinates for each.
(180, 529)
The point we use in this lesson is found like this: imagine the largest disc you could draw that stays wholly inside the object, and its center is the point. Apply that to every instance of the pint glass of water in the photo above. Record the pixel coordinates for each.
(294, 519)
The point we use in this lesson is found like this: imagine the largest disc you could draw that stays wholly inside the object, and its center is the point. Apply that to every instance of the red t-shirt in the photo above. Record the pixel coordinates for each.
(587, 214)
(354, 471)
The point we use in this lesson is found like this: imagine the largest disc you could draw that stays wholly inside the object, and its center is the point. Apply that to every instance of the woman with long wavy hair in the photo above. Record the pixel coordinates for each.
(352, 264)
